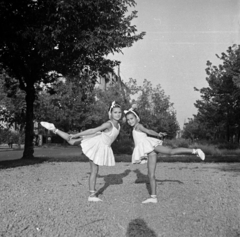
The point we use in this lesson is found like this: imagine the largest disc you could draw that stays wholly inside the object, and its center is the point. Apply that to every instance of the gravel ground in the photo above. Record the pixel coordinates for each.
(50, 199)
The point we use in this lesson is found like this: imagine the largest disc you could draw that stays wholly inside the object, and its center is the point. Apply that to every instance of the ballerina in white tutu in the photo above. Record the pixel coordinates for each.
(148, 147)
(95, 143)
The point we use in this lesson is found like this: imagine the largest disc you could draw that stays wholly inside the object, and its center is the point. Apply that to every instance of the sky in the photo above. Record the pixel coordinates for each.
(181, 36)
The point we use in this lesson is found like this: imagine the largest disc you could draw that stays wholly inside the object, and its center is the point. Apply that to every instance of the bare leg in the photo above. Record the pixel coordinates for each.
(173, 151)
(152, 162)
(93, 176)
(65, 136)
(92, 183)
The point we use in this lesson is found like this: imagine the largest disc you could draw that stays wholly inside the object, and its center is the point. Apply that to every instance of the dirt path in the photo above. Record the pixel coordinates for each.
(50, 199)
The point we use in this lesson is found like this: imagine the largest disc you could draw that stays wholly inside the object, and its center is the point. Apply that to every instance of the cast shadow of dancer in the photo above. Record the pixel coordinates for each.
(139, 228)
(142, 178)
(112, 179)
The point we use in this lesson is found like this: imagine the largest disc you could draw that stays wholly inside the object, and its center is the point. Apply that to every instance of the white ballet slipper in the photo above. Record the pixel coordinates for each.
(150, 200)
(136, 162)
(199, 154)
(94, 199)
(48, 126)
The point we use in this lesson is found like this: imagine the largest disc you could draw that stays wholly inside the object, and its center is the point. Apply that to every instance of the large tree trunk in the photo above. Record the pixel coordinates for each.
(29, 134)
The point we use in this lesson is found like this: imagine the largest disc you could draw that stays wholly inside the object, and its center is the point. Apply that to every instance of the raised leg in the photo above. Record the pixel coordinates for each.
(173, 151)
(65, 136)
(62, 134)
(180, 150)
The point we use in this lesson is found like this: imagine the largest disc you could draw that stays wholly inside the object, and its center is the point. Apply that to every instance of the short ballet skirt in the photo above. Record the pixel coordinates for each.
(98, 148)
(143, 146)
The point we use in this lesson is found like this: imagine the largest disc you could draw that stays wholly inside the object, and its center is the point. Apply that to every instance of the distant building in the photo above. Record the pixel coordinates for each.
(107, 80)
(179, 134)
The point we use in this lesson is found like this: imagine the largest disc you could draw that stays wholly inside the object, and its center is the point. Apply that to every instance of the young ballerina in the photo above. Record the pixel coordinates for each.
(96, 144)
(149, 147)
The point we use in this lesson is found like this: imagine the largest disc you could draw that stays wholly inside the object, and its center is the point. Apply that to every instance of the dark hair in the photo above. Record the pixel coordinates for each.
(115, 106)
(131, 112)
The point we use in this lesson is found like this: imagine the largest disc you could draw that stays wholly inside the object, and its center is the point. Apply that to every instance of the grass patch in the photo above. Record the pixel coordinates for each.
(219, 149)
(7, 164)
(58, 153)
(120, 158)
(186, 158)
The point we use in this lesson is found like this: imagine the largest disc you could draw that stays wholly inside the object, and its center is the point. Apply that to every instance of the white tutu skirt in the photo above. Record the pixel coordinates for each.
(144, 147)
(97, 150)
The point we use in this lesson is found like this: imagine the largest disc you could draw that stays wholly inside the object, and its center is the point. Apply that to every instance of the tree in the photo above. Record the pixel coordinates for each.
(67, 107)
(219, 107)
(12, 107)
(155, 108)
(191, 129)
(195, 129)
(232, 63)
(43, 40)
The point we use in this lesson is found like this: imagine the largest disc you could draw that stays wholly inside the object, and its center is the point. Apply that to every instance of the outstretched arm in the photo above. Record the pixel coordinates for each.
(92, 131)
(149, 131)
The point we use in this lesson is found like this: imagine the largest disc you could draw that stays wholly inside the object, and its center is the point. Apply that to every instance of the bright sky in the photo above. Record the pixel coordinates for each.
(181, 35)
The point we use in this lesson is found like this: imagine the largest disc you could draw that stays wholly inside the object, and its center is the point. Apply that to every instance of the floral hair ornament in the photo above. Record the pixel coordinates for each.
(110, 109)
(133, 112)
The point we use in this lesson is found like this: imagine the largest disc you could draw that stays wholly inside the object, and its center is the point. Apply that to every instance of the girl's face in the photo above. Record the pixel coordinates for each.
(116, 113)
(131, 119)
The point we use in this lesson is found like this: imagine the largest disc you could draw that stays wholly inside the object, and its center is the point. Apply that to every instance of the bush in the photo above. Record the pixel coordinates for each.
(228, 146)
(177, 143)
(7, 136)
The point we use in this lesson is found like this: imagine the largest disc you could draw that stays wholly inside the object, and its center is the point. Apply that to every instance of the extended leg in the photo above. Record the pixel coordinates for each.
(65, 136)
(178, 151)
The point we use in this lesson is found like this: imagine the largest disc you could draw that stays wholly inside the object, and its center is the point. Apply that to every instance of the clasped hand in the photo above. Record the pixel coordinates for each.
(162, 134)
(71, 136)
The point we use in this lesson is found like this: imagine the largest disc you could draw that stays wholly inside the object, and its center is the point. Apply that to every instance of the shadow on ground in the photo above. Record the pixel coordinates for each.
(142, 178)
(139, 228)
(112, 179)
(20, 162)
(38, 160)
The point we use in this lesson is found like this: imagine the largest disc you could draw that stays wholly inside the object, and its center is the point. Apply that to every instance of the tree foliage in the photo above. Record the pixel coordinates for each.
(155, 109)
(67, 106)
(12, 103)
(219, 107)
(12, 110)
(43, 40)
